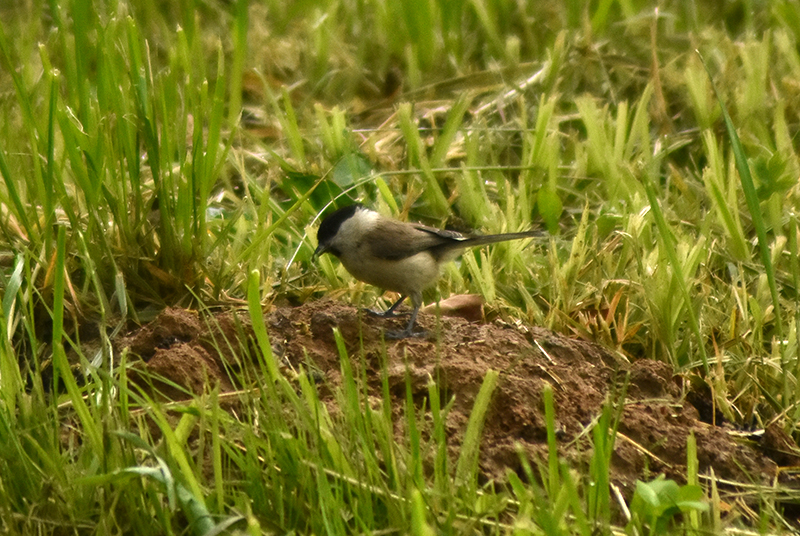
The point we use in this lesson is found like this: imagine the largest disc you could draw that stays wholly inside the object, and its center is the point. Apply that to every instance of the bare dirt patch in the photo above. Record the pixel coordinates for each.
(656, 420)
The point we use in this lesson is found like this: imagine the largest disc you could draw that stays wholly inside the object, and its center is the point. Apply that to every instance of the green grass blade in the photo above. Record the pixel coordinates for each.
(91, 426)
(669, 246)
(454, 119)
(419, 525)
(11, 385)
(13, 193)
(417, 157)
(216, 450)
(753, 204)
(267, 360)
(467, 465)
(237, 70)
(441, 479)
(553, 469)
(12, 287)
(414, 435)
(692, 471)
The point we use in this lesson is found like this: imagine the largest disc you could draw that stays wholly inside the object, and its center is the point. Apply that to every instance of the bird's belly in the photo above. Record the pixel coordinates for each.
(406, 276)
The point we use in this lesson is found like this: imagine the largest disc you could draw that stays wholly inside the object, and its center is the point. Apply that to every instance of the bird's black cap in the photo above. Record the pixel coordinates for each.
(330, 226)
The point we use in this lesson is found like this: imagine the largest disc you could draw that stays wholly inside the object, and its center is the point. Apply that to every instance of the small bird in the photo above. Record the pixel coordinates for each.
(393, 255)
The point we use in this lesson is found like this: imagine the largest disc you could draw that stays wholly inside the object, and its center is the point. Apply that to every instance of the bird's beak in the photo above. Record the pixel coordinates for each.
(319, 251)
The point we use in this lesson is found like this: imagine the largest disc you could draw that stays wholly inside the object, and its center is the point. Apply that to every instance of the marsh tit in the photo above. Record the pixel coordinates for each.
(393, 255)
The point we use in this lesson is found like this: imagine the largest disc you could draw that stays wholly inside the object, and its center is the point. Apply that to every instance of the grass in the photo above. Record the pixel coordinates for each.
(153, 155)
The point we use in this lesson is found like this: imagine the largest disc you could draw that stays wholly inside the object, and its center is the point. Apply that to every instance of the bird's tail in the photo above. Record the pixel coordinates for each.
(491, 239)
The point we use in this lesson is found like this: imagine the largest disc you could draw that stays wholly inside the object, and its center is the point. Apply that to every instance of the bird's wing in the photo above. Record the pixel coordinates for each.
(442, 235)
(398, 240)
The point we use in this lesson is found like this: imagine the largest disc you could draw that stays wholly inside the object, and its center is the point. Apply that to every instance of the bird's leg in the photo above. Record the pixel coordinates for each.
(388, 313)
(409, 331)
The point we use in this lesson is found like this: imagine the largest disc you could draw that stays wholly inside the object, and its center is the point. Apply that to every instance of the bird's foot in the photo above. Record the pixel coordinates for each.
(389, 313)
(406, 334)
(409, 331)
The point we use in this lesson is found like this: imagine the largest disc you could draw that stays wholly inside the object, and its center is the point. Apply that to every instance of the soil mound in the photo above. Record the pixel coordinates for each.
(655, 424)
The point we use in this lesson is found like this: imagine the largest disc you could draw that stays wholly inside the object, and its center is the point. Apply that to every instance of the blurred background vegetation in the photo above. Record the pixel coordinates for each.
(154, 153)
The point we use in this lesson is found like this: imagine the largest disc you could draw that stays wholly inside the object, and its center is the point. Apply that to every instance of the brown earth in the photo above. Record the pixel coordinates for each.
(655, 424)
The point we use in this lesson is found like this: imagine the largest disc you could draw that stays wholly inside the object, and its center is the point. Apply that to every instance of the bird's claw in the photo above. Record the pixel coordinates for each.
(383, 314)
(406, 334)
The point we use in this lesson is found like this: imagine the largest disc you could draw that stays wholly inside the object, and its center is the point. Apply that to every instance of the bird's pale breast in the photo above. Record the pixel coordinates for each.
(405, 276)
